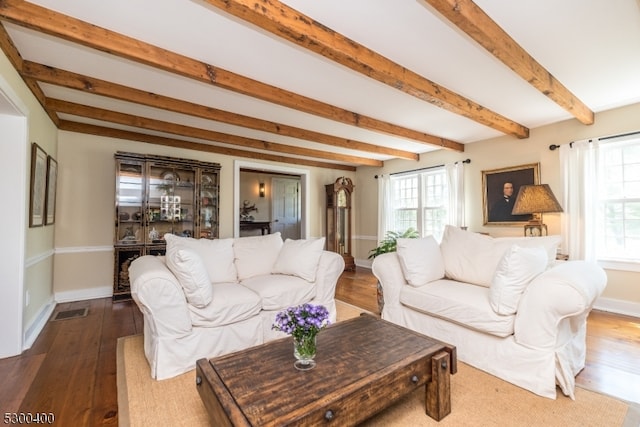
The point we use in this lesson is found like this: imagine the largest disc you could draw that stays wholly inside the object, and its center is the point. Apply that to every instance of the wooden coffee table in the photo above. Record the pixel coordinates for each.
(363, 366)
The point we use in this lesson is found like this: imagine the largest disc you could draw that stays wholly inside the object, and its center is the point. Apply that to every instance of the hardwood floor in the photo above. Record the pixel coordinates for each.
(71, 369)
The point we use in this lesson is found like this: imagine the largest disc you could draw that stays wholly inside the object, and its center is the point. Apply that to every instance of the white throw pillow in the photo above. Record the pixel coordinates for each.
(469, 257)
(218, 259)
(549, 243)
(189, 269)
(256, 255)
(421, 260)
(217, 255)
(299, 258)
(518, 267)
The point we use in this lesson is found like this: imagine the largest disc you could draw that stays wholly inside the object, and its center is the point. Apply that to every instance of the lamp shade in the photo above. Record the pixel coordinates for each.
(535, 199)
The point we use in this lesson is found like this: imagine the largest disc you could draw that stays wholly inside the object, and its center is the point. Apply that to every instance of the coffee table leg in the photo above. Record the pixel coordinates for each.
(438, 390)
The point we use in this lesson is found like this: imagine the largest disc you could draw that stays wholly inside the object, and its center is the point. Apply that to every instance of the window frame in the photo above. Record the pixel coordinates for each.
(422, 203)
(604, 171)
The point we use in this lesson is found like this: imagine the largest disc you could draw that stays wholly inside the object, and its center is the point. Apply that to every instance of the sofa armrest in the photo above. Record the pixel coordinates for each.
(566, 291)
(159, 296)
(386, 268)
(330, 267)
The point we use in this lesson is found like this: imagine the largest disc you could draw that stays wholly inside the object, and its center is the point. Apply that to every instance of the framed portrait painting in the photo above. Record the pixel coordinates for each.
(50, 198)
(500, 188)
(38, 186)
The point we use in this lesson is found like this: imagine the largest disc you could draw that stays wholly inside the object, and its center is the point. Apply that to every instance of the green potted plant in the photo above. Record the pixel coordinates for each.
(390, 242)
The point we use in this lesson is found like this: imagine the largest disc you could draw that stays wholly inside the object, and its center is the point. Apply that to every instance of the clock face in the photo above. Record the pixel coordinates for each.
(342, 199)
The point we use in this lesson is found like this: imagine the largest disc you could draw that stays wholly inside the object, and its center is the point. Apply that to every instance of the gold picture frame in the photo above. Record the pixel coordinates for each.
(50, 197)
(38, 185)
(496, 200)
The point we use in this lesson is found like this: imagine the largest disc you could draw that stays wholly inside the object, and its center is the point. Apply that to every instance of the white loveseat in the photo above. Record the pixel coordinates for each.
(211, 297)
(505, 303)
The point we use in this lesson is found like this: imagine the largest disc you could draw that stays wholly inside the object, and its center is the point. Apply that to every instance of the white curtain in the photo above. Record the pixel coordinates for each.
(579, 165)
(455, 186)
(385, 209)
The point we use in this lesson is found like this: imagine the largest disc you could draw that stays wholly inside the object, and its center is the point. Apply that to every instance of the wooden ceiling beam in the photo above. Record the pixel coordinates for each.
(89, 129)
(467, 16)
(289, 24)
(192, 132)
(10, 50)
(59, 25)
(95, 86)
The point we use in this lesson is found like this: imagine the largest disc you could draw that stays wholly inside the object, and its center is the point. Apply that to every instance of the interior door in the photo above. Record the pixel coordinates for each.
(286, 207)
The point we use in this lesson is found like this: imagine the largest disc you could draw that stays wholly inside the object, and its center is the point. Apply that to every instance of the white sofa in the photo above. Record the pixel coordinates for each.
(505, 303)
(211, 297)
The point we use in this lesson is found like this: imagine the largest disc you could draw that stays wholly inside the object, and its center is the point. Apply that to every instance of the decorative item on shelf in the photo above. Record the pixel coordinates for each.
(154, 235)
(124, 216)
(535, 200)
(303, 322)
(137, 216)
(246, 209)
(261, 189)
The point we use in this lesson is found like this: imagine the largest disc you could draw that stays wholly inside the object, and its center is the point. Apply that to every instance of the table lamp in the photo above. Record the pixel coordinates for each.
(535, 200)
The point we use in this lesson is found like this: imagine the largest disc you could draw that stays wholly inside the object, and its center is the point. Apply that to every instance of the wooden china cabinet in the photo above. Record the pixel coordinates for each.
(338, 220)
(156, 195)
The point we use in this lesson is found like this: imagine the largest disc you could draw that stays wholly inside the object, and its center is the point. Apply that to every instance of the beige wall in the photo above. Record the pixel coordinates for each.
(86, 207)
(504, 152)
(38, 243)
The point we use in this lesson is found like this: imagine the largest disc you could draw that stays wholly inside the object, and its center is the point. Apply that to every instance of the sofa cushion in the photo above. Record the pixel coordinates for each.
(549, 243)
(191, 273)
(469, 257)
(217, 255)
(420, 260)
(461, 303)
(232, 303)
(299, 258)
(278, 291)
(256, 255)
(473, 258)
(518, 267)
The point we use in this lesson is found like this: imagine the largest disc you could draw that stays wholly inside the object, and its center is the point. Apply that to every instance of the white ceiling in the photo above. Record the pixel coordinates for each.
(590, 46)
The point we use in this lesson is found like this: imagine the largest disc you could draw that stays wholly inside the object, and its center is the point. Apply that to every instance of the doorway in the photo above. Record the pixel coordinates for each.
(285, 197)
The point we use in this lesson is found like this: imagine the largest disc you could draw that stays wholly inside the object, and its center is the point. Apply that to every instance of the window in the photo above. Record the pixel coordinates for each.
(419, 200)
(618, 237)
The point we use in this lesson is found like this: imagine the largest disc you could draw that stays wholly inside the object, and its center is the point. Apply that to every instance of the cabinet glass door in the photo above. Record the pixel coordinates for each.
(208, 204)
(129, 202)
(170, 202)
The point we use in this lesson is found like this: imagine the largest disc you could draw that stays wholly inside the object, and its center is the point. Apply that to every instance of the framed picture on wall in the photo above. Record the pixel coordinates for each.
(38, 186)
(50, 198)
(500, 188)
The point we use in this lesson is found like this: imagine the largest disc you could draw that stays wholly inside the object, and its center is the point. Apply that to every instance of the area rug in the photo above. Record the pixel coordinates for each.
(477, 399)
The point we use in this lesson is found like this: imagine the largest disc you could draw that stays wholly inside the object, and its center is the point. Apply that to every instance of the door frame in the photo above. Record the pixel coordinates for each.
(13, 168)
(304, 175)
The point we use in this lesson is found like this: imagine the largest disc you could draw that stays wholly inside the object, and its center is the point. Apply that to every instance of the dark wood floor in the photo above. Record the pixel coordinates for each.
(71, 369)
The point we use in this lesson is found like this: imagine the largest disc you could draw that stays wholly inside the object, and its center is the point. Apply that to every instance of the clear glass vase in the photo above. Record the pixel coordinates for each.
(304, 350)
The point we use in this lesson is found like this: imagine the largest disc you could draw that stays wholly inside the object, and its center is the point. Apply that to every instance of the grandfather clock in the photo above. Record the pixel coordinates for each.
(339, 220)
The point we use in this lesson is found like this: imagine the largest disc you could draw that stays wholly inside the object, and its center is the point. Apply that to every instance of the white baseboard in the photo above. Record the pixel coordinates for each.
(84, 294)
(34, 329)
(617, 306)
(365, 263)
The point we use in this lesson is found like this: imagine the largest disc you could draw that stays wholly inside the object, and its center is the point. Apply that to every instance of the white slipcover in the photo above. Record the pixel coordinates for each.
(239, 315)
(541, 345)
